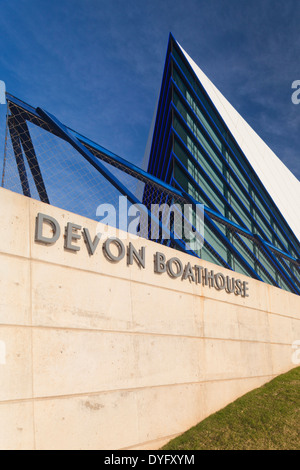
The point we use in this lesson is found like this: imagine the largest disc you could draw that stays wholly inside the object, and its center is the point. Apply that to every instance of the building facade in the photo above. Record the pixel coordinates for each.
(104, 342)
(203, 147)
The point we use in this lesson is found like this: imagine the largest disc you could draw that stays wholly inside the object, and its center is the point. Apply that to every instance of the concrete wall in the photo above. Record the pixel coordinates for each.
(108, 356)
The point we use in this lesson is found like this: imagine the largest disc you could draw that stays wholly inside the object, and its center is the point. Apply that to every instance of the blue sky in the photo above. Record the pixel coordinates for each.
(97, 65)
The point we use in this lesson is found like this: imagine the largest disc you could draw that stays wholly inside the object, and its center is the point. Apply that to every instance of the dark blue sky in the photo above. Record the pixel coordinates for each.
(97, 65)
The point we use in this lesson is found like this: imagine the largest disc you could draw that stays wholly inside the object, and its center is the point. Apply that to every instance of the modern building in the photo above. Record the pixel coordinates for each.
(202, 146)
(116, 342)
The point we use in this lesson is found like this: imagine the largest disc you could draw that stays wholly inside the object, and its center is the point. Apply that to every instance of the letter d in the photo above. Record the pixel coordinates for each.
(41, 218)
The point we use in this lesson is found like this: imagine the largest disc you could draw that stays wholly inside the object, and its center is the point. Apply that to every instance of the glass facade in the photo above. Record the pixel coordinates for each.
(193, 150)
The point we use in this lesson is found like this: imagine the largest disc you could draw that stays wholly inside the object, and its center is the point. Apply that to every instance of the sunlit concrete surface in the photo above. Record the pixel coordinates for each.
(102, 355)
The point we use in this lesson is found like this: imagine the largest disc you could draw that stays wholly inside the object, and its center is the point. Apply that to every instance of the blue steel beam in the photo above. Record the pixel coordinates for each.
(289, 271)
(30, 114)
(94, 161)
(25, 138)
(16, 144)
(276, 265)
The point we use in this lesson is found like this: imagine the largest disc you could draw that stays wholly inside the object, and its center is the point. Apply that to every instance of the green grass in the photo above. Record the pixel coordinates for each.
(267, 418)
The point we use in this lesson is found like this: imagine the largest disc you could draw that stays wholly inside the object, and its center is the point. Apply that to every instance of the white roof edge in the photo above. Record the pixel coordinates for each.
(279, 181)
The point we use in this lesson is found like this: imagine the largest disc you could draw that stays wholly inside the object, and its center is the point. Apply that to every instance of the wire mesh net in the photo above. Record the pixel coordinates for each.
(40, 164)
(51, 170)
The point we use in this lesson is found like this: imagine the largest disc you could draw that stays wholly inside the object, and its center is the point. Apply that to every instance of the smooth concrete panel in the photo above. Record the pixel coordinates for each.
(65, 297)
(15, 290)
(164, 360)
(117, 356)
(82, 361)
(295, 330)
(160, 310)
(77, 361)
(17, 426)
(222, 359)
(283, 303)
(16, 371)
(256, 359)
(164, 401)
(117, 420)
(220, 319)
(14, 230)
(253, 324)
(233, 359)
(92, 422)
(282, 357)
(281, 331)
